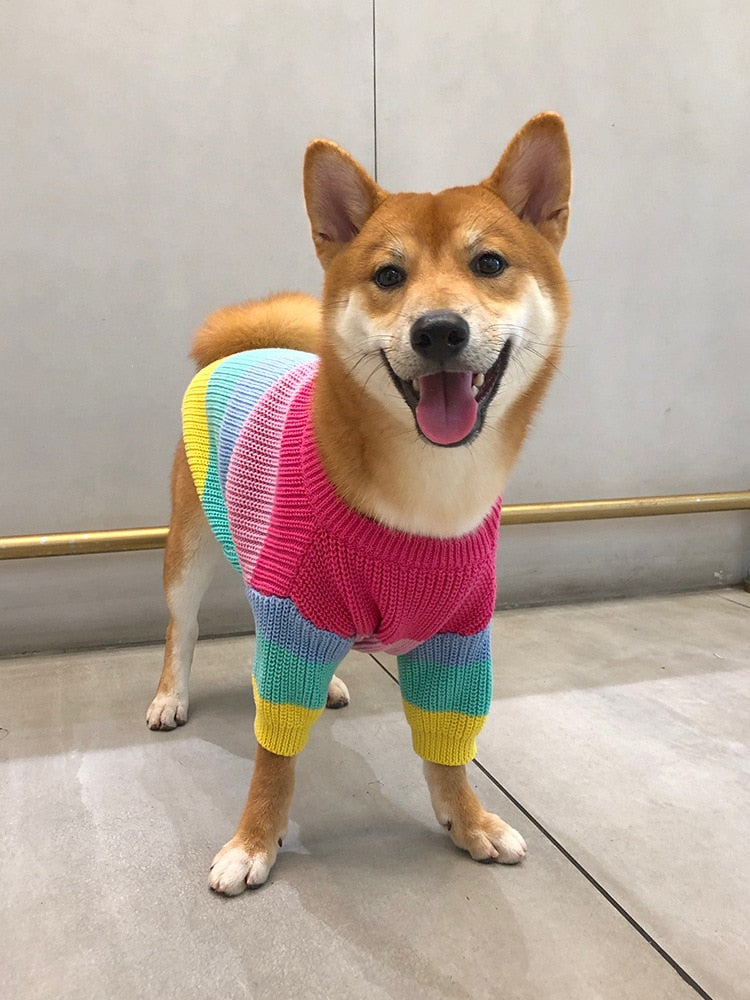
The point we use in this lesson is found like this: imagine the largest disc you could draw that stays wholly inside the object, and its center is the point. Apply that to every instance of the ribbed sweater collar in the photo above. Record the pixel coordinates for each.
(369, 537)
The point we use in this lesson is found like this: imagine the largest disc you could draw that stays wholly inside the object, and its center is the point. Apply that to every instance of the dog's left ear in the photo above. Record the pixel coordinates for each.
(533, 176)
(340, 197)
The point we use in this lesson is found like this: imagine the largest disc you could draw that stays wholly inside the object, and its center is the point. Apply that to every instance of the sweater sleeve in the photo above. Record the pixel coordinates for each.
(293, 666)
(446, 686)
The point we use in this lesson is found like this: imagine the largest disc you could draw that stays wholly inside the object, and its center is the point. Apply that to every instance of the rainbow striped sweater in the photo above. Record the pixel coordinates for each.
(322, 579)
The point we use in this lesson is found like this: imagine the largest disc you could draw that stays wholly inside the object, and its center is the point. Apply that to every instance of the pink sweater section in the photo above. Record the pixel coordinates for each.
(345, 573)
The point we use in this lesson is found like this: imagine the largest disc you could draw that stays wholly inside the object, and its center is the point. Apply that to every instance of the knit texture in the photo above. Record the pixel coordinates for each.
(322, 578)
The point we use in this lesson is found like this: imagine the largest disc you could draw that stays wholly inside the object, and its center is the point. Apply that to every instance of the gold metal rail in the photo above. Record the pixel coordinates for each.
(140, 539)
(593, 510)
(80, 543)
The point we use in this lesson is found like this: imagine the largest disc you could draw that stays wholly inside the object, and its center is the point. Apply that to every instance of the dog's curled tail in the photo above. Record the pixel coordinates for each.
(290, 320)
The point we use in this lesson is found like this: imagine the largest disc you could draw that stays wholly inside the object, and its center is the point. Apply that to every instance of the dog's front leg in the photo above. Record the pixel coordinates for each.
(446, 685)
(293, 669)
(485, 836)
(246, 860)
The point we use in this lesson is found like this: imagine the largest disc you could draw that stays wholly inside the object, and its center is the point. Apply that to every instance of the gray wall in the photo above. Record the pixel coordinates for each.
(153, 174)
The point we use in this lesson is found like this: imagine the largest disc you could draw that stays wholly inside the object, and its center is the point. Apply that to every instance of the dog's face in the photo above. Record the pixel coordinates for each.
(445, 307)
(442, 297)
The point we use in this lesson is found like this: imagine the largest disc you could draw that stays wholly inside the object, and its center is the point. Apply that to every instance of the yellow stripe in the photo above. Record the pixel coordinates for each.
(282, 729)
(443, 737)
(195, 425)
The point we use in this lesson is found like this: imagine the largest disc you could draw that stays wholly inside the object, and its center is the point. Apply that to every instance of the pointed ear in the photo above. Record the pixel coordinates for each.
(340, 197)
(533, 176)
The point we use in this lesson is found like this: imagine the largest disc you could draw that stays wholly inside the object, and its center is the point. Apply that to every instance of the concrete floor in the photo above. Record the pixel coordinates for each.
(619, 729)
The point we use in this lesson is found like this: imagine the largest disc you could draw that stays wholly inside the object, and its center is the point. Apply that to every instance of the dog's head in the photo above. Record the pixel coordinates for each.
(436, 302)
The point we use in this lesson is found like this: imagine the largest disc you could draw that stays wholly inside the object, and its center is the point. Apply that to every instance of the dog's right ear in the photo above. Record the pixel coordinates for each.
(533, 176)
(340, 197)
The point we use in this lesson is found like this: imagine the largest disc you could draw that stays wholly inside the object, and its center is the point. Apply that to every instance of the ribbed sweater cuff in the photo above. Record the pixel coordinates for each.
(444, 737)
(282, 729)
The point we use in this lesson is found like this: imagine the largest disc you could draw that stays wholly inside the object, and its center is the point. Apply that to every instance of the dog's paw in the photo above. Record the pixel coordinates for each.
(234, 869)
(338, 693)
(490, 839)
(167, 712)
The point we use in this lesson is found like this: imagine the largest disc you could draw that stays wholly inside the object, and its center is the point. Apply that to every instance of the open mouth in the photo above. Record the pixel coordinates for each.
(449, 407)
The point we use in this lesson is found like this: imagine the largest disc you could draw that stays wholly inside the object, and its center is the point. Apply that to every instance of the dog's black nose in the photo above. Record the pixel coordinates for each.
(439, 336)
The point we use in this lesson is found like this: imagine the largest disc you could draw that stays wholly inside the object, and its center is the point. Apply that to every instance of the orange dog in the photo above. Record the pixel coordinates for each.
(358, 491)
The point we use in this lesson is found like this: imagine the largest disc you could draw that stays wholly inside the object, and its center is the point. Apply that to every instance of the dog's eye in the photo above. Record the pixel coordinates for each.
(488, 265)
(389, 276)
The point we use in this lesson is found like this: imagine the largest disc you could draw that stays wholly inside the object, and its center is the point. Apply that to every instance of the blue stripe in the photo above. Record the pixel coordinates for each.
(256, 373)
(278, 620)
(294, 660)
(450, 649)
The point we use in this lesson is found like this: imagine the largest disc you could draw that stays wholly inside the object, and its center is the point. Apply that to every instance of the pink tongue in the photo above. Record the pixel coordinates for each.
(447, 410)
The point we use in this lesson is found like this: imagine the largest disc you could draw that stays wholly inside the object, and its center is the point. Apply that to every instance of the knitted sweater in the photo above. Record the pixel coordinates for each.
(322, 579)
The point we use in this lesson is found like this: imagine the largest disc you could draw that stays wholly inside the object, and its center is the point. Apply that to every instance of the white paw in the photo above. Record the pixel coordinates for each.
(510, 847)
(233, 870)
(338, 693)
(167, 712)
(491, 840)
(496, 841)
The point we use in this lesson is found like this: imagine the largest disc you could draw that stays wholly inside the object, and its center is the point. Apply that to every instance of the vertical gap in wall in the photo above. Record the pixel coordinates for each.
(374, 97)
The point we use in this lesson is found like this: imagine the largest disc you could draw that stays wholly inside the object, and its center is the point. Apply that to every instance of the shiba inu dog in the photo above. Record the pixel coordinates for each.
(349, 457)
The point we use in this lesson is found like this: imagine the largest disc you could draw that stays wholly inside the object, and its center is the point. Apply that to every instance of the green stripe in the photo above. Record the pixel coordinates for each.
(466, 689)
(286, 679)
(218, 392)
(212, 499)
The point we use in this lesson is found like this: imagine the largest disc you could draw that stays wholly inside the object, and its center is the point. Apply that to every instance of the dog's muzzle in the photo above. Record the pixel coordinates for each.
(449, 404)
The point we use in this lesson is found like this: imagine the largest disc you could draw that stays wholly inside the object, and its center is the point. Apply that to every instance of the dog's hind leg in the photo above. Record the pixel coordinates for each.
(338, 693)
(190, 560)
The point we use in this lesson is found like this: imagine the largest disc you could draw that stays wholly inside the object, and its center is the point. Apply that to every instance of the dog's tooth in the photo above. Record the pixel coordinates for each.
(415, 386)
(478, 380)
(475, 390)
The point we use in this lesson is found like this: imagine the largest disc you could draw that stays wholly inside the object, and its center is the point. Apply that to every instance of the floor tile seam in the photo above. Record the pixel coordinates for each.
(384, 668)
(735, 602)
(582, 870)
(597, 885)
